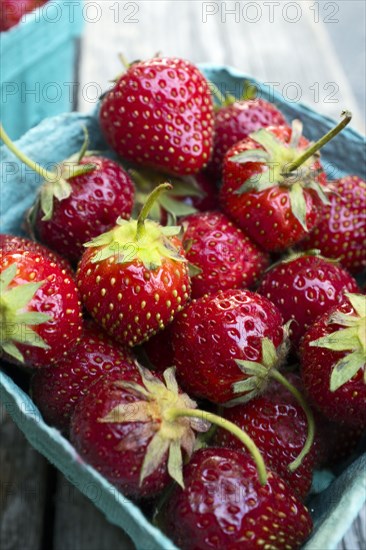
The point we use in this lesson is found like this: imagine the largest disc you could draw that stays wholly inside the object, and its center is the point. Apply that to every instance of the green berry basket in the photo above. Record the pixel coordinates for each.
(337, 499)
(37, 59)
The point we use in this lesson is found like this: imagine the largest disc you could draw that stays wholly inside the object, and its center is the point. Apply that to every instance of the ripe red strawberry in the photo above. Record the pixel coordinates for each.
(333, 359)
(224, 505)
(215, 331)
(133, 279)
(188, 195)
(81, 200)
(235, 120)
(160, 114)
(304, 287)
(12, 11)
(13, 243)
(135, 434)
(278, 425)
(225, 256)
(341, 233)
(40, 312)
(56, 390)
(274, 185)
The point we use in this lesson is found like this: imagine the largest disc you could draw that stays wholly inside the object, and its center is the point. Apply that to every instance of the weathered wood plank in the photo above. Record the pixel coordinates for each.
(22, 489)
(355, 539)
(79, 525)
(297, 58)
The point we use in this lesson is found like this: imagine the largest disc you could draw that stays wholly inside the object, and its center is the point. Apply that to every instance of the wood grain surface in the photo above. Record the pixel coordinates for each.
(39, 508)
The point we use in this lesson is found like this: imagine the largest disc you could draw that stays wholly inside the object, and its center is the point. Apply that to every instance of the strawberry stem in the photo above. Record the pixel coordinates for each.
(151, 199)
(274, 373)
(45, 174)
(85, 145)
(347, 116)
(124, 61)
(247, 441)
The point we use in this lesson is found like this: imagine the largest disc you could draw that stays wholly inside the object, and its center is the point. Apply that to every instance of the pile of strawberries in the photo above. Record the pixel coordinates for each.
(215, 264)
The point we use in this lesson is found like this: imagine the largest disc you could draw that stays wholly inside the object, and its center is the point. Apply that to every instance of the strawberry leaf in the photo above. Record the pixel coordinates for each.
(7, 276)
(254, 155)
(358, 302)
(298, 204)
(341, 340)
(13, 351)
(155, 452)
(345, 369)
(175, 462)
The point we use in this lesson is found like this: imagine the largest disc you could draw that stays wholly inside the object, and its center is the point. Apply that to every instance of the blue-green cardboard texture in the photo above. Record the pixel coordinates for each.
(38, 60)
(335, 508)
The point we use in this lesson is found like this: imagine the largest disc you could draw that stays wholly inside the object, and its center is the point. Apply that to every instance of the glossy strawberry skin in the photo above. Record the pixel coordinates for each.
(57, 297)
(130, 301)
(341, 234)
(346, 405)
(116, 450)
(277, 424)
(226, 256)
(11, 11)
(266, 216)
(98, 198)
(160, 114)
(56, 390)
(236, 121)
(305, 288)
(223, 505)
(13, 243)
(215, 330)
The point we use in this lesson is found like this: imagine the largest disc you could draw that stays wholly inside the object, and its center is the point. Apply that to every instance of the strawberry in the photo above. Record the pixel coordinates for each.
(40, 312)
(278, 425)
(78, 202)
(224, 505)
(216, 331)
(333, 360)
(274, 185)
(56, 390)
(188, 195)
(136, 433)
(228, 347)
(341, 233)
(235, 119)
(160, 114)
(223, 254)
(12, 11)
(133, 279)
(303, 287)
(13, 243)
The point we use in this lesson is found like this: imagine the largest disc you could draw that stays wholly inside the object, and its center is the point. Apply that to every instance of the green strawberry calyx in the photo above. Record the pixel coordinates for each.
(351, 339)
(226, 99)
(170, 202)
(16, 321)
(56, 182)
(173, 421)
(288, 166)
(257, 378)
(140, 240)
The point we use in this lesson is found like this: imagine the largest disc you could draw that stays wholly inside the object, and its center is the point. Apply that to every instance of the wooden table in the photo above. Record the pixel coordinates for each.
(290, 48)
